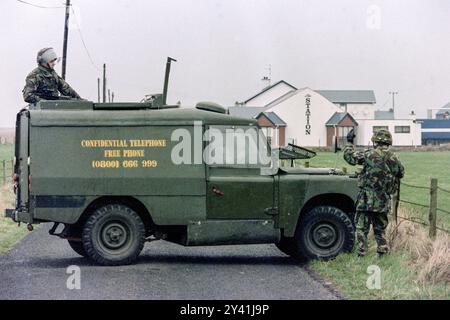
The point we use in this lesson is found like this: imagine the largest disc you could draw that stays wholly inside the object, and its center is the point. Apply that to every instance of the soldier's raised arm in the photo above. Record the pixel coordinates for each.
(66, 90)
(352, 156)
(30, 90)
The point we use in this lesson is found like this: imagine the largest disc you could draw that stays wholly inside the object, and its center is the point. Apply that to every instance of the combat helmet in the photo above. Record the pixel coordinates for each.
(46, 55)
(382, 136)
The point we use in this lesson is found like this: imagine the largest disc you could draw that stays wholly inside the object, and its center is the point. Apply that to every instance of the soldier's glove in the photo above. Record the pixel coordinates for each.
(351, 136)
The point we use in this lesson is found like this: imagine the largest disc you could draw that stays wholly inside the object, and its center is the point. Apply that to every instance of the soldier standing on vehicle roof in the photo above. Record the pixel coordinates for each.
(379, 178)
(44, 83)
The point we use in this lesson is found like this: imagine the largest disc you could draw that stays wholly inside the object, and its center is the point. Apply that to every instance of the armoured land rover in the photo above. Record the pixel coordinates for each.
(116, 175)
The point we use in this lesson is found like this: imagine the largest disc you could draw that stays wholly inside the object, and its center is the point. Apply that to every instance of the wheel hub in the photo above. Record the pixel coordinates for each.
(324, 235)
(114, 235)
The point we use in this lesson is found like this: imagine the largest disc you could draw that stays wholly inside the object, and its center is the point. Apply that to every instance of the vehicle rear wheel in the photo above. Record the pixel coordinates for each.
(324, 232)
(77, 246)
(113, 235)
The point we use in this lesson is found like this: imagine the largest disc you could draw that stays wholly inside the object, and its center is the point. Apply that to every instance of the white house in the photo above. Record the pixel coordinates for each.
(311, 118)
(405, 132)
(269, 94)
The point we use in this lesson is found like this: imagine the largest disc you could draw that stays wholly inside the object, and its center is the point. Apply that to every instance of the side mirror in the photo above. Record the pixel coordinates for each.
(335, 145)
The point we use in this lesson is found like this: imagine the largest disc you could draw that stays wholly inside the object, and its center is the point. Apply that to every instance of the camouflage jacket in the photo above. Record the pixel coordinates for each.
(381, 169)
(44, 83)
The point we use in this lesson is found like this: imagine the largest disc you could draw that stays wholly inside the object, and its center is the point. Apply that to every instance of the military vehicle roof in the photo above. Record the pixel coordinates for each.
(81, 115)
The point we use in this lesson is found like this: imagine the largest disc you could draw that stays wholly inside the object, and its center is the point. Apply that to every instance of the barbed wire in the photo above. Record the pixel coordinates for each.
(414, 203)
(415, 220)
(442, 210)
(444, 190)
(444, 230)
(420, 221)
(413, 186)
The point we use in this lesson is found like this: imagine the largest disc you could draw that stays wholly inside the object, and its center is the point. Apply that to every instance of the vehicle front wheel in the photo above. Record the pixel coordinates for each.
(324, 232)
(113, 235)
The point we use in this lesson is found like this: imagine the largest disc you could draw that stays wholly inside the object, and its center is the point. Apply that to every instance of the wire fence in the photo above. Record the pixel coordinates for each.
(432, 207)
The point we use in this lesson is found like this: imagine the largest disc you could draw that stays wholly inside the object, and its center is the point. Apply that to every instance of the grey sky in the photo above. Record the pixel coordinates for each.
(224, 47)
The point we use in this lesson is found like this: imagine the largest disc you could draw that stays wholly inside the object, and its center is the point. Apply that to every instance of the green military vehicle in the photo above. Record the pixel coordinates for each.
(115, 175)
(105, 171)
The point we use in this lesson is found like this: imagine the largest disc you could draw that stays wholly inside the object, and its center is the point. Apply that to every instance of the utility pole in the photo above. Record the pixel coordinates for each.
(393, 93)
(66, 35)
(104, 82)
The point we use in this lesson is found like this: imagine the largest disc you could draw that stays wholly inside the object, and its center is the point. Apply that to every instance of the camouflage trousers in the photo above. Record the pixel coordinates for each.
(379, 222)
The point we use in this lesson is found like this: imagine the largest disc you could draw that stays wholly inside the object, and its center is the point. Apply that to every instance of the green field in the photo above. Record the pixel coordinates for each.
(10, 233)
(420, 167)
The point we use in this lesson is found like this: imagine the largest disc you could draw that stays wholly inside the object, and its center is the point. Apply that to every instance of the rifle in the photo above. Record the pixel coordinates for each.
(397, 200)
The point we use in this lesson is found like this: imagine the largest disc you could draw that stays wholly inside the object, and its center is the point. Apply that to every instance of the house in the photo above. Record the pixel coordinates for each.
(312, 117)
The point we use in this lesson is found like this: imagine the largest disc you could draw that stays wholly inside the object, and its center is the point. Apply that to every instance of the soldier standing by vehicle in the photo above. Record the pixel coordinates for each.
(378, 179)
(44, 83)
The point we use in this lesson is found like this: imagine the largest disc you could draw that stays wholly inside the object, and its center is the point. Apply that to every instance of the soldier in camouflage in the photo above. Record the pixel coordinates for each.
(378, 179)
(44, 83)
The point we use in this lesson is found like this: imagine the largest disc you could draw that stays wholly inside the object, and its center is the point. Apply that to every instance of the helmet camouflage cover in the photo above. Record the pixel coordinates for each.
(382, 136)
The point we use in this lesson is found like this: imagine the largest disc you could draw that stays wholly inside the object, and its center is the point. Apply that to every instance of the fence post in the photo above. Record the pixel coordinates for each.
(433, 207)
(4, 171)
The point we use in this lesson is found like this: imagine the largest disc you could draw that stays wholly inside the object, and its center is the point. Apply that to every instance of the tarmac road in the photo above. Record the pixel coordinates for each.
(36, 269)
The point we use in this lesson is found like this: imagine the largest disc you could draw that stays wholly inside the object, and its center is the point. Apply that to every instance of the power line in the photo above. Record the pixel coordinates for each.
(82, 40)
(39, 6)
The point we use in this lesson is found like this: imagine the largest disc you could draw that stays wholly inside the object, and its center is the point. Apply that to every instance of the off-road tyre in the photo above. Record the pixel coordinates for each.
(324, 232)
(113, 235)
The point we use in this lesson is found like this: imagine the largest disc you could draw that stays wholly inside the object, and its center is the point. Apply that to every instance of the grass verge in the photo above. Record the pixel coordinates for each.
(10, 233)
(417, 268)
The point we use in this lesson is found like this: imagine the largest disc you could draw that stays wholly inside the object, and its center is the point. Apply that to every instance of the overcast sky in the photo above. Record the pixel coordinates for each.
(224, 47)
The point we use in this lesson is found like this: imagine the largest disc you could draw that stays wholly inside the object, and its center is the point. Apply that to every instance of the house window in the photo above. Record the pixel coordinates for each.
(377, 128)
(402, 129)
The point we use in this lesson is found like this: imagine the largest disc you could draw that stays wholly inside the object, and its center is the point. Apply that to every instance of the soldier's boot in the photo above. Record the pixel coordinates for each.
(382, 251)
